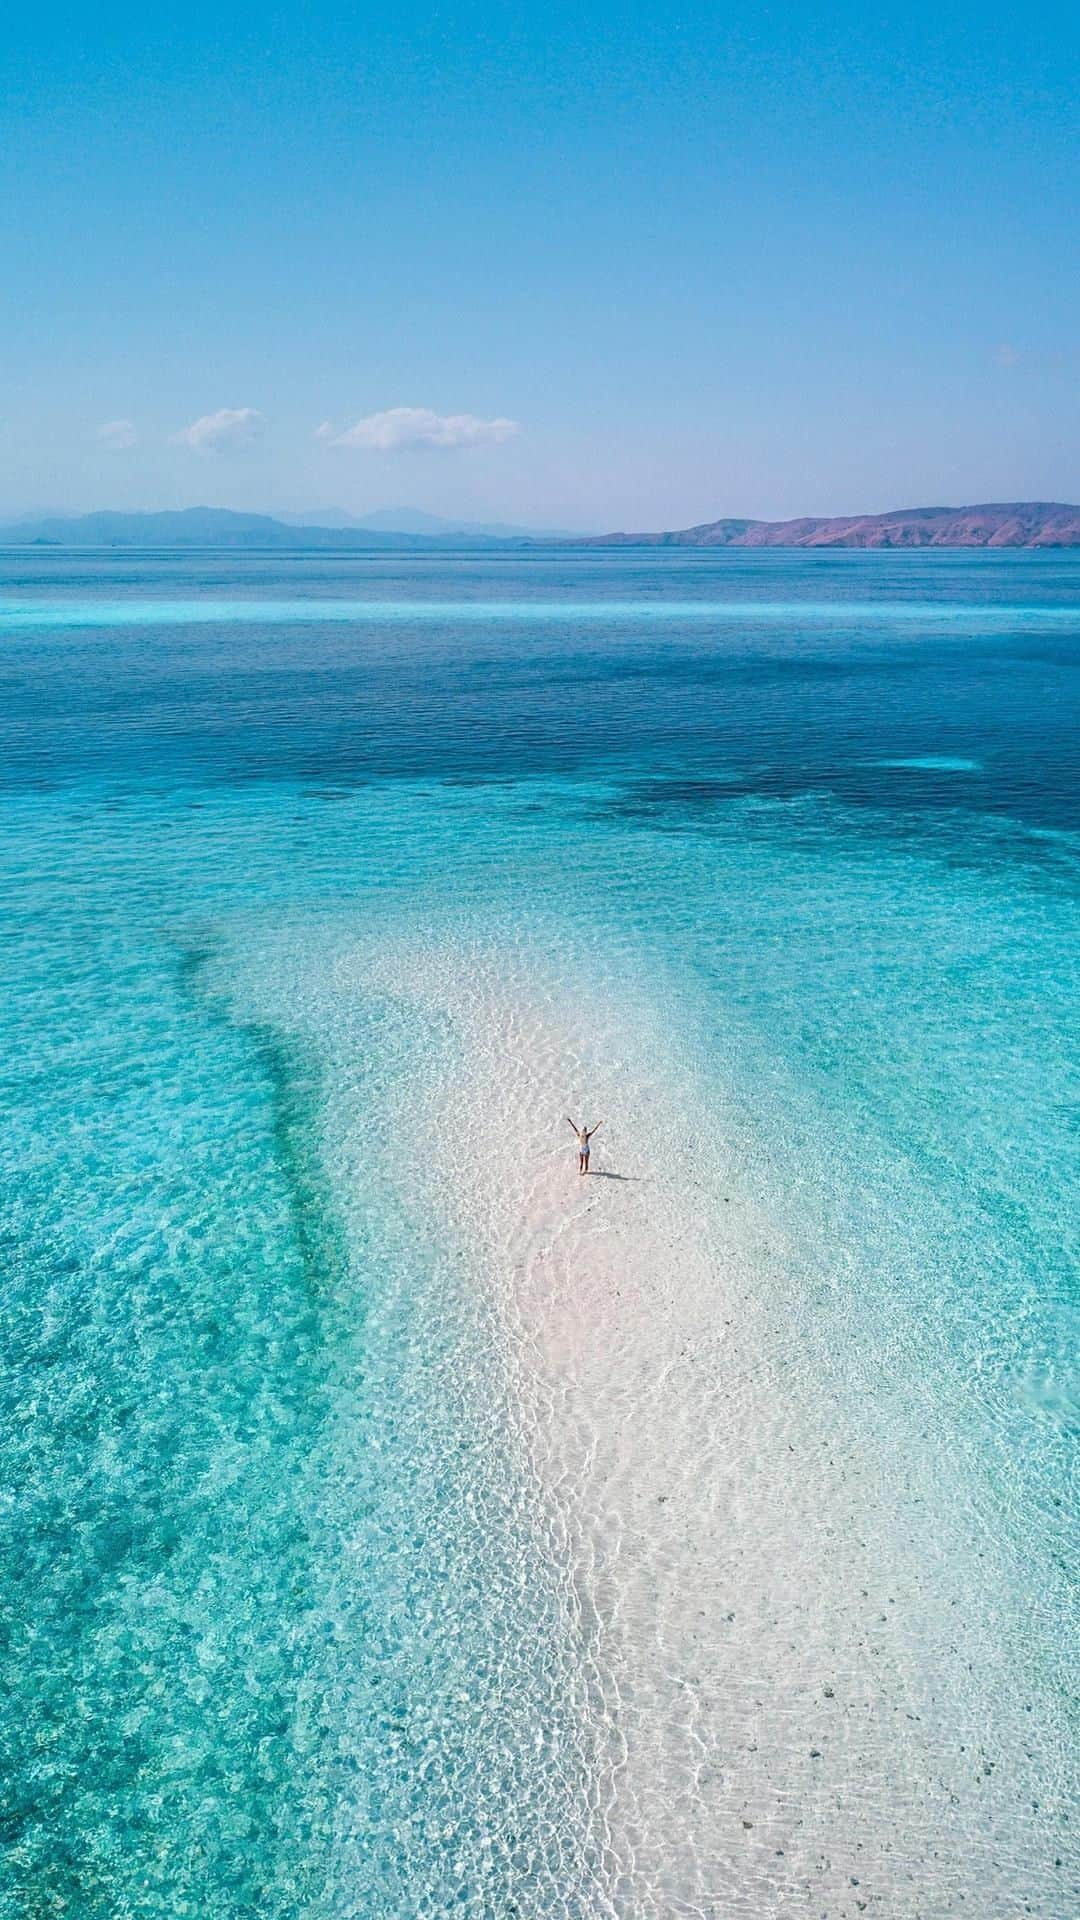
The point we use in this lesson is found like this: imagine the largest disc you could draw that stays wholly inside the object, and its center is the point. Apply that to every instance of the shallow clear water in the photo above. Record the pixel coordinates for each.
(285, 1619)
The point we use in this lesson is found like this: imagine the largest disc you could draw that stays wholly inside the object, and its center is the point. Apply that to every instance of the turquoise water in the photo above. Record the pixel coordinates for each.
(286, 1629)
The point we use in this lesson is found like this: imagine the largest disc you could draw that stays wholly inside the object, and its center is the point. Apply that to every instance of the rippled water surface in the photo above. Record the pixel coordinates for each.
(291, 1625)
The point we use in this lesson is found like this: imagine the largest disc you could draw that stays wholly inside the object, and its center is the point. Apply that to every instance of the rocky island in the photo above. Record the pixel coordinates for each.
(1013, 524)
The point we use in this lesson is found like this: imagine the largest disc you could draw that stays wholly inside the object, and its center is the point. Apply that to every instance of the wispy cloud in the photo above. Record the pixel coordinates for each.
(1032, 359)
(418, 429)
(118, 435)
(226, 431)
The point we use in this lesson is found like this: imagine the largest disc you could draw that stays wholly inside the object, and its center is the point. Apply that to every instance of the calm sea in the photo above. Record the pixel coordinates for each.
(826, 807)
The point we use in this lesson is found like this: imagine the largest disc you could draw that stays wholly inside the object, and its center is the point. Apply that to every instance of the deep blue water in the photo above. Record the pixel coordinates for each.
(759, 674)
(832, 799)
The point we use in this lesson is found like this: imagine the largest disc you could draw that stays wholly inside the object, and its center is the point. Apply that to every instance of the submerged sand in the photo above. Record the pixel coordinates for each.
(790, 1664)
(806, 1678)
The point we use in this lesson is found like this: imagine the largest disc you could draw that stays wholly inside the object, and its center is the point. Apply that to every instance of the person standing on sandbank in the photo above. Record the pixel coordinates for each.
(584, 1135)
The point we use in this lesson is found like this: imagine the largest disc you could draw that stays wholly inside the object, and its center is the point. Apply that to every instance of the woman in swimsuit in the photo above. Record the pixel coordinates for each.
(584, 1135)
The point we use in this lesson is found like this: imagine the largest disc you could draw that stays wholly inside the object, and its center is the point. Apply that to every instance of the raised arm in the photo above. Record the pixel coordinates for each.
(572, 1123)
(593, 1130)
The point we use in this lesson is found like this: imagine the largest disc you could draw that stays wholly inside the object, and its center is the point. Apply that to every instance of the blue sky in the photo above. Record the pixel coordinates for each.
(597, 267)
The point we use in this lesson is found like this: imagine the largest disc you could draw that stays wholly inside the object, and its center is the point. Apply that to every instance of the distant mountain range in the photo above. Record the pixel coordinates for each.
(1014, 524)
(220, 527)
(432, 525)
(1017, 524)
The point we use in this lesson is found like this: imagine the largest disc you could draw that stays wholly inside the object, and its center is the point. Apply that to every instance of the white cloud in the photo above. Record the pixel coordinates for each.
(118, 435)
(222, 432)
(1033, 359)
(413, 429)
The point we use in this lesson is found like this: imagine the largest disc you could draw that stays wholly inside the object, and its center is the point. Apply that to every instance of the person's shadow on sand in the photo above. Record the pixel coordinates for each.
(605, 1173)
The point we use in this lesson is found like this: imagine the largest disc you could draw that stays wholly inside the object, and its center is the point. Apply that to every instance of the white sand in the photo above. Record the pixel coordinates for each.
(790, 1683)
(788, 1629)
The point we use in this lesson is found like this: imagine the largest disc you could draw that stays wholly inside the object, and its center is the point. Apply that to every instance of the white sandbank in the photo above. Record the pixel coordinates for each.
(794, 1669)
